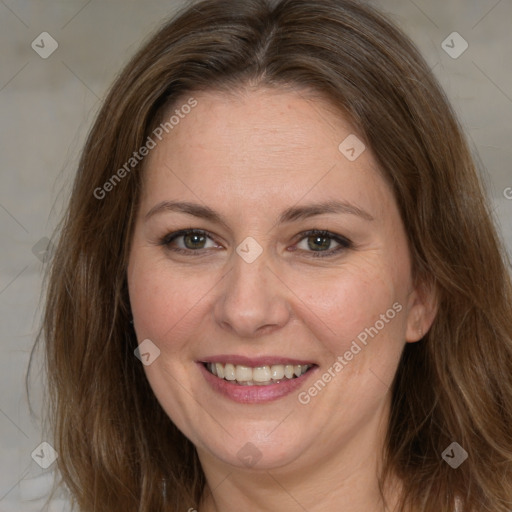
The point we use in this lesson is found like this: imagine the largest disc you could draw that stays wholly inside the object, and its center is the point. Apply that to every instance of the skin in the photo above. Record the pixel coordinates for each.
(249, 157)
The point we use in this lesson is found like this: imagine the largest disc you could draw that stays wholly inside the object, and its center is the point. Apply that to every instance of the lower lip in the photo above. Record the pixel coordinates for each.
(254, 394)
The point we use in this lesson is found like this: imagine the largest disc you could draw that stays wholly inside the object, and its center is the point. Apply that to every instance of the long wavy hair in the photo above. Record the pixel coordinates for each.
(118, 450)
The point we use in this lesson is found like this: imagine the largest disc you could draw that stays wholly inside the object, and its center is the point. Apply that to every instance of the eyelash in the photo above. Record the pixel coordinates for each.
(345, 243)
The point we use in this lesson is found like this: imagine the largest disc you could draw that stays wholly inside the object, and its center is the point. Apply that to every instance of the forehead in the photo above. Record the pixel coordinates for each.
(261, 146)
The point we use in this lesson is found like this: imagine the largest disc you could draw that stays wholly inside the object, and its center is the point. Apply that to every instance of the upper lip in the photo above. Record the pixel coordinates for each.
(254, 361)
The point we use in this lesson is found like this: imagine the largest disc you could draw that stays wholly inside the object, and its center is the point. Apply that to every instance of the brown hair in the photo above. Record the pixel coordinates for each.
(116, 444)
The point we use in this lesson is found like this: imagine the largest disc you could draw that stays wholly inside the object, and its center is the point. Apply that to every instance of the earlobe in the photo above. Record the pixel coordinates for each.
(414, 330)
(423, 306)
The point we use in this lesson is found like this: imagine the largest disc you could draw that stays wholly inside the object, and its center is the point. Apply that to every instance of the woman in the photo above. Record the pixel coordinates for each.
(278, 285)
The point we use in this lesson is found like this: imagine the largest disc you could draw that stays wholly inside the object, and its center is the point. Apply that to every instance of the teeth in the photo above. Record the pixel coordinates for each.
(259, 376)
(229, 372)
(243, 373)
(277, 371)
(219, 370)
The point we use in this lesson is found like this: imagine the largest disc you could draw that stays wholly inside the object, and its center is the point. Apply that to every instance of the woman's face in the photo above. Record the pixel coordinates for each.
(252, 289)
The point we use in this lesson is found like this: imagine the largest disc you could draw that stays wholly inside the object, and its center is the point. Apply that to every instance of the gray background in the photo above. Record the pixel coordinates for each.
(48, 105)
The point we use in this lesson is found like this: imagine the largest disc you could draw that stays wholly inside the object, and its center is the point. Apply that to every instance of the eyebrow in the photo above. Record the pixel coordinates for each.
(292, 214)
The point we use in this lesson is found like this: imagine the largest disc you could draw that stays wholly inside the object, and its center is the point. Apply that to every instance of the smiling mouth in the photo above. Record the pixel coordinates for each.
(257, 376)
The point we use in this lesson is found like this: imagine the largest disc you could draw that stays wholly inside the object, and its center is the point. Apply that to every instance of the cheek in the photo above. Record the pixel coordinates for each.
(362, 336)
(359, 303)
(164, 301)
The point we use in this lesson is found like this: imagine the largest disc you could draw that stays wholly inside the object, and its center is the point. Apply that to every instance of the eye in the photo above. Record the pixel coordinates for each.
(318, 240)
(193, 240)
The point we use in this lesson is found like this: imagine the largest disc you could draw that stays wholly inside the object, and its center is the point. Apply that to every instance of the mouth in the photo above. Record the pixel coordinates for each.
(265, 375)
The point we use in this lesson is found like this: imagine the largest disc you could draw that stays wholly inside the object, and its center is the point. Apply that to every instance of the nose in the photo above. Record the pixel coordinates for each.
(252, 299)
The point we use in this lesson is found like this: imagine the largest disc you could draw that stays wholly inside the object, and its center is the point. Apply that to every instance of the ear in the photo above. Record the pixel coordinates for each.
(421, 311)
